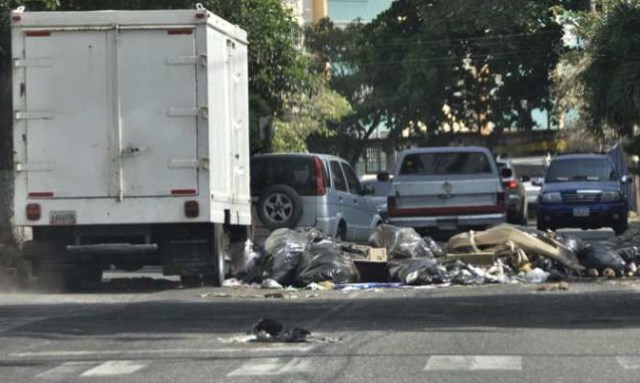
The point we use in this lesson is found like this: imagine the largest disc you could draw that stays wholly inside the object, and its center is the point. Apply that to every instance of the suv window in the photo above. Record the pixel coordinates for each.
(352, 179)
(337, 176)
(296, 172)
(445, 163)
(581, 169)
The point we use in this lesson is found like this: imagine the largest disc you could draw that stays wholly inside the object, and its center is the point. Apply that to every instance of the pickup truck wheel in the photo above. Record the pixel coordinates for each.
(190, 281)
(220, 256)
(279, 206)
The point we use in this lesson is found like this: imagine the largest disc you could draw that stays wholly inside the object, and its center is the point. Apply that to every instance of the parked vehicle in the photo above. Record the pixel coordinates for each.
(584, 191)
(447, 188)
(380, 187)
(131, 141)
(312, 190)
(517, 207)
(531, 171)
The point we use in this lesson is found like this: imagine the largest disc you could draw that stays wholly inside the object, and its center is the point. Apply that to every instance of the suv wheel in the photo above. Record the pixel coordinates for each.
(279, 206)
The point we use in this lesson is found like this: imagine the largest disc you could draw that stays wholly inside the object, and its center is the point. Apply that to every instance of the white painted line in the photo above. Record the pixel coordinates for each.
(271, 366)
(64, 372)
(125, 353)
(473, 363)
(629, 362)
(115, 367)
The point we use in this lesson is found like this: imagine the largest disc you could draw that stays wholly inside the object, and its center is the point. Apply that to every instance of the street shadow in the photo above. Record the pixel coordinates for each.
(425, 312)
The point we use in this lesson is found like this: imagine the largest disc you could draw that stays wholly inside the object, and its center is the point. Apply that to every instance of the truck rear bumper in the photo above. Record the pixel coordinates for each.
(449, 222)
(112, 249)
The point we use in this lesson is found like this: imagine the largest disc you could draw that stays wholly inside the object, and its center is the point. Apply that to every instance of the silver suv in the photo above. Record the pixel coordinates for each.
(447, 188)
(312, 190)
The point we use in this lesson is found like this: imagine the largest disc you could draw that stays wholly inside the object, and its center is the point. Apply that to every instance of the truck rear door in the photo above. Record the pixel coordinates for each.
(67, 113)
(110, 113)
(157, 81)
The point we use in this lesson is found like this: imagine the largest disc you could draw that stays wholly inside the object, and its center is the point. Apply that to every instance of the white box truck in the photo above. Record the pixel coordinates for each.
(131, 141)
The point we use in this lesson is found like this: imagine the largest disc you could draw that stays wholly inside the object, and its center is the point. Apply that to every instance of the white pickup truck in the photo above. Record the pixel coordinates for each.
(131, 141)
(447, 188)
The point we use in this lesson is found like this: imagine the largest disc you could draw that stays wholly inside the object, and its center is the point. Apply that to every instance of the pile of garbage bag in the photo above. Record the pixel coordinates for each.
(501, 254)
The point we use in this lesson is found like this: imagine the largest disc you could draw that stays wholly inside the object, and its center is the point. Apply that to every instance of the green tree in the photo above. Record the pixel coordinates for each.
(489, 62)
(612, 77)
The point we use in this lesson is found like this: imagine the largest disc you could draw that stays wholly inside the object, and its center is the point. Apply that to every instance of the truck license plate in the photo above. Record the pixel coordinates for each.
(447, 225)
(67, 217)
(581, 212)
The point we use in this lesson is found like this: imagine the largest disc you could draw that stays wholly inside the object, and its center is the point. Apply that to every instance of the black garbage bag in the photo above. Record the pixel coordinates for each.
(269, 330)
(600, 256)
(417, 271)
(283, 250)
(459, 274)
(436, 249)
(401, 242)
(324, 261)
(630, 254)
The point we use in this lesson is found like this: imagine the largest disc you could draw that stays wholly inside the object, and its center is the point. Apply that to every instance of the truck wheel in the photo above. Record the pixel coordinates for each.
(279, 206)
(620, 228)
(219, 255)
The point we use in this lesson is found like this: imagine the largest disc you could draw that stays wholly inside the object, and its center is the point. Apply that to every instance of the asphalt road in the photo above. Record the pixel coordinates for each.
(148, 329)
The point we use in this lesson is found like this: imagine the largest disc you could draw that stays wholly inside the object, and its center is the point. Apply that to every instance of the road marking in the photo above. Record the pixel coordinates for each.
(473, 363)
(629, 362)
(271, 366)
(115, 367)
(125, 353)
(65, 371)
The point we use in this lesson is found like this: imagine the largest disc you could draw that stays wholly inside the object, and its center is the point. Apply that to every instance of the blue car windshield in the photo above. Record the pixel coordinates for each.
(586, 169)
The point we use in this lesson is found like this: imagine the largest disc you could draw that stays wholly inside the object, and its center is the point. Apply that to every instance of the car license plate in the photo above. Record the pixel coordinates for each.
(447, 225)
(581, 212)
(66, 217)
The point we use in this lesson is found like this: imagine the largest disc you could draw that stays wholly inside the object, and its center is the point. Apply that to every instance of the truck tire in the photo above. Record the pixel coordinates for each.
(220, 255)
(279, 206)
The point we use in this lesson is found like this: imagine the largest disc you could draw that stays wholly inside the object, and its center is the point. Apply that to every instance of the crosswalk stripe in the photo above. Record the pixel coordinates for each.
(115, 367)
(64, 371)
(271, 366)
(473, 363)
(629, 362)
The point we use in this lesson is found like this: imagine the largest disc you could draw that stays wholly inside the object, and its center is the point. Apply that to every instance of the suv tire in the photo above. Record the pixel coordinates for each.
(279, 206)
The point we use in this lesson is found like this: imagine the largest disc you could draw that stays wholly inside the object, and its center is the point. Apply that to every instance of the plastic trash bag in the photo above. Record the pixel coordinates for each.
(417, 271)
(324, 261)
(283, 249)
(630, 254)
(536, 276)
(402, 242)
(269, 330)
(602, 256)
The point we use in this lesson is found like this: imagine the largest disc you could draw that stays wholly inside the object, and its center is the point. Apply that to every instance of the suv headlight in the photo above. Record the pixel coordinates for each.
(551, 197)
(610, 196)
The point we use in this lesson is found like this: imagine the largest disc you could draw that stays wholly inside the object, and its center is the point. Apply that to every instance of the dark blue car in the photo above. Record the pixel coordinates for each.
(583, 191)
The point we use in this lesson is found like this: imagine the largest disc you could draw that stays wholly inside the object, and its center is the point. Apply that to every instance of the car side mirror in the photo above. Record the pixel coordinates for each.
(525, 178)
(506, 173)
(626, 179)
(537, 181)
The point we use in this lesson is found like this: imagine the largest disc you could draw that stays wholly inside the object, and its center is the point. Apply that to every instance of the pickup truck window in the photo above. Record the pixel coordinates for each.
(445, 163)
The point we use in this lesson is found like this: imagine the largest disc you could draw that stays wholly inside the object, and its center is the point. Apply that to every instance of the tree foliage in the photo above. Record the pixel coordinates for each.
(612, 78)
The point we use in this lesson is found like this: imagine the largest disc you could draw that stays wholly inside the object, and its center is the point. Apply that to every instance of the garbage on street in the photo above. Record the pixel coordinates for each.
(294, 260)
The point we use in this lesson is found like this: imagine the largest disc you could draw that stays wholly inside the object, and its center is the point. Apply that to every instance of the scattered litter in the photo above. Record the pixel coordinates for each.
(269, 330)
(536, 276)
(315, 287)
(232, 282)
(271, 284)
(365, 286)
(562, 286)
(327, 285)
(214, 295)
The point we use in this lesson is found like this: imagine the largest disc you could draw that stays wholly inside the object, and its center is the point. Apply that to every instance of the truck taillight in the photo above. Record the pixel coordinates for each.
(191, 209)
(511, 184)
(33, 212)
(392, 209)
(321, 188)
